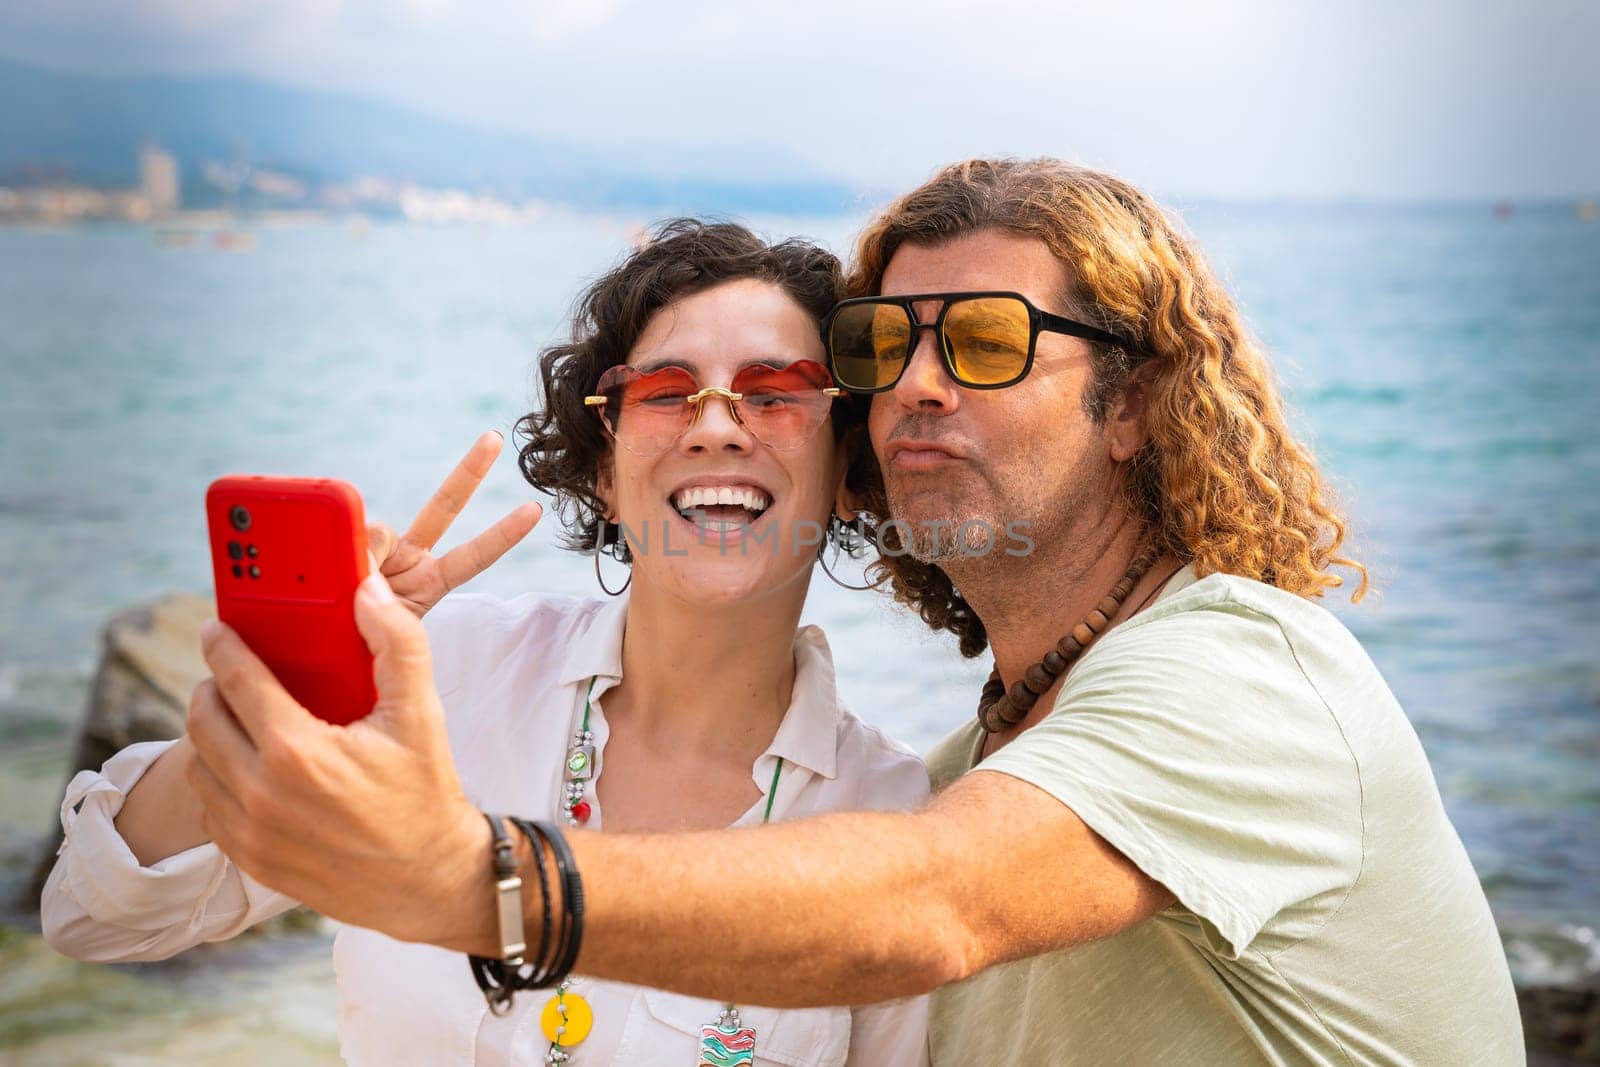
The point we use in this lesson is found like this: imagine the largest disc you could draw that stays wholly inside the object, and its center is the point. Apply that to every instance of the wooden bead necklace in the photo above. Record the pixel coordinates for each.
(999, 707)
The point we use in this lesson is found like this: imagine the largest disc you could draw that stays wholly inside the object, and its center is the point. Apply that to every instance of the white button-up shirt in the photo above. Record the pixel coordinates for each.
(513, 677)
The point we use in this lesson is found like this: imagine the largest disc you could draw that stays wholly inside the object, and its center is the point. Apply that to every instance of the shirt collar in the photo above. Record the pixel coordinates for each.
(807, 737)
(809, 733)
(596, 650)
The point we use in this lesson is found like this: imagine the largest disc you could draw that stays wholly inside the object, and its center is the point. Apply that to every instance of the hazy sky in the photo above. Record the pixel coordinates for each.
(1247, 98)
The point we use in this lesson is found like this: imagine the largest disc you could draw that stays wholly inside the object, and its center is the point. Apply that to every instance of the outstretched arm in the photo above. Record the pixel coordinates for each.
(850, 907)
(369, 825)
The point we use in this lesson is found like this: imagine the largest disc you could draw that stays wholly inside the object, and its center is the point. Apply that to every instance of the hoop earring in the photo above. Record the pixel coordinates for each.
(599, 547)
(847, 537)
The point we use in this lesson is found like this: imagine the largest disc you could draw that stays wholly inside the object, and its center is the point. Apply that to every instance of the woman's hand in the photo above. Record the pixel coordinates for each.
(419, 579)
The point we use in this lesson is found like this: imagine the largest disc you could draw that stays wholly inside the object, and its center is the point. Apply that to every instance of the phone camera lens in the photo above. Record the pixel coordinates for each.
(238, 571)
(235, 550)
(240, 517)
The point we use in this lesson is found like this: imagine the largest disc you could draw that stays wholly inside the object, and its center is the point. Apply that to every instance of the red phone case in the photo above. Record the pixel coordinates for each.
(287, 582)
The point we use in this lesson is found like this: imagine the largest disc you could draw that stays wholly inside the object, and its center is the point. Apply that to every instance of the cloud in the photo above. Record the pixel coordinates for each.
(559, 21)
(1251, 98)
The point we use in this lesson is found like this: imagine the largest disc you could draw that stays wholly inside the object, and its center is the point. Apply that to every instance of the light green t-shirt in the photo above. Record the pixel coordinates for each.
(1238, 745)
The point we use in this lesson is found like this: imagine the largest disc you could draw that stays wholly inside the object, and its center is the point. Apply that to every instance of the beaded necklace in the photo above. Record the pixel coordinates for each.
(999, 707)
(567, 1018)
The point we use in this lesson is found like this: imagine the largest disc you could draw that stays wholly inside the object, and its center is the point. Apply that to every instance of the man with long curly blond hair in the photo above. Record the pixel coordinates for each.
(1189, 823)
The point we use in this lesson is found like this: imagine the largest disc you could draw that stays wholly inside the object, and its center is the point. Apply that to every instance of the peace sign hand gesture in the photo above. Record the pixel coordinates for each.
(419, 579)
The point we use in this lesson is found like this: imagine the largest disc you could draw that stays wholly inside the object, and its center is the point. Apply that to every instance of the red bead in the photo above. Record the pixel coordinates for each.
(580, 811)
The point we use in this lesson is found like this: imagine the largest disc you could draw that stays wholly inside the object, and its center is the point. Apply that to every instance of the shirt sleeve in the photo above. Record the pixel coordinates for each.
(1196, 746)
(894, 1032)
(101, 906)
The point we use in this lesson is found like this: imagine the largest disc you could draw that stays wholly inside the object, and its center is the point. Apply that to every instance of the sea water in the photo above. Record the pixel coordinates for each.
(1443, 363)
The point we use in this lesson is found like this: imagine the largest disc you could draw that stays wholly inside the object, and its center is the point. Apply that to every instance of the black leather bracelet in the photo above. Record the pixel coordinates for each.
(500, 979)
(496, 977)
(536, 976)
(491, 976)
(571, 897)
(574, 900)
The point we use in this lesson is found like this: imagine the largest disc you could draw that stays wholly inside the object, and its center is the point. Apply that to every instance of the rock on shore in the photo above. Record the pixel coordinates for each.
(149, 664)
(1562, 1022)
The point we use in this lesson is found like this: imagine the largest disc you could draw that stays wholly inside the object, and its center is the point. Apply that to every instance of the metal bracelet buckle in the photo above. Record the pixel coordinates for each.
(513, 944)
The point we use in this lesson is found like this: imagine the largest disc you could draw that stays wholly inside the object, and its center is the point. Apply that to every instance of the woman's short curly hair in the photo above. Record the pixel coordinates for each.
(562, 443)
(1222, 482)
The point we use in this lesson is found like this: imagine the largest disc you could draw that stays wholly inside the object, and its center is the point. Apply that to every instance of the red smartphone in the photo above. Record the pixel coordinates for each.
(287, 555)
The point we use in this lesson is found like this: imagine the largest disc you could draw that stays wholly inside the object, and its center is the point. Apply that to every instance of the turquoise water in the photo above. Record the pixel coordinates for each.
(1446, 366)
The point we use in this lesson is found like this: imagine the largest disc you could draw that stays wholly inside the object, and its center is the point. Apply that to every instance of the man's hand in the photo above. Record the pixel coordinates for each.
(418, 578)
(365, 823)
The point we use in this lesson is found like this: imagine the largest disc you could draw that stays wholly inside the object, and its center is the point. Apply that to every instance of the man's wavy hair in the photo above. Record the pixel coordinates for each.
(1221, 482)
(563, 444)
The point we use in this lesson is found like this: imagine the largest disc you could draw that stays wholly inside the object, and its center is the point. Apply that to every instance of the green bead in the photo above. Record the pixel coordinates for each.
(577, 762)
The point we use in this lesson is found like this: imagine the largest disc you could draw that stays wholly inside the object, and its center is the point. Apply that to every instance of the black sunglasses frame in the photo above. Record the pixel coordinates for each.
(1039, 321)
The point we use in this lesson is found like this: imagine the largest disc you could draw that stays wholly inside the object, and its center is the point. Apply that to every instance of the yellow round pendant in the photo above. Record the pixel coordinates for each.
(574, 1023)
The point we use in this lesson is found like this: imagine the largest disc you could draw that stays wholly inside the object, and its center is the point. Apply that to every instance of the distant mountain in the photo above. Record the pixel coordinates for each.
(93, 126)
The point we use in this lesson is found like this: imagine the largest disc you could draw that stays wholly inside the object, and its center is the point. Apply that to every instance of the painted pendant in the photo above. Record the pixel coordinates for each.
(726, 1042)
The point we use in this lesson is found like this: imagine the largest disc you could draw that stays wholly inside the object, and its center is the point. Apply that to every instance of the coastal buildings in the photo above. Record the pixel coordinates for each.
(221, 193)
(158, 180)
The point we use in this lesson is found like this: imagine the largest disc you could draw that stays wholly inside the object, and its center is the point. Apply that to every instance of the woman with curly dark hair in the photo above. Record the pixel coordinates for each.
(691, 433)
